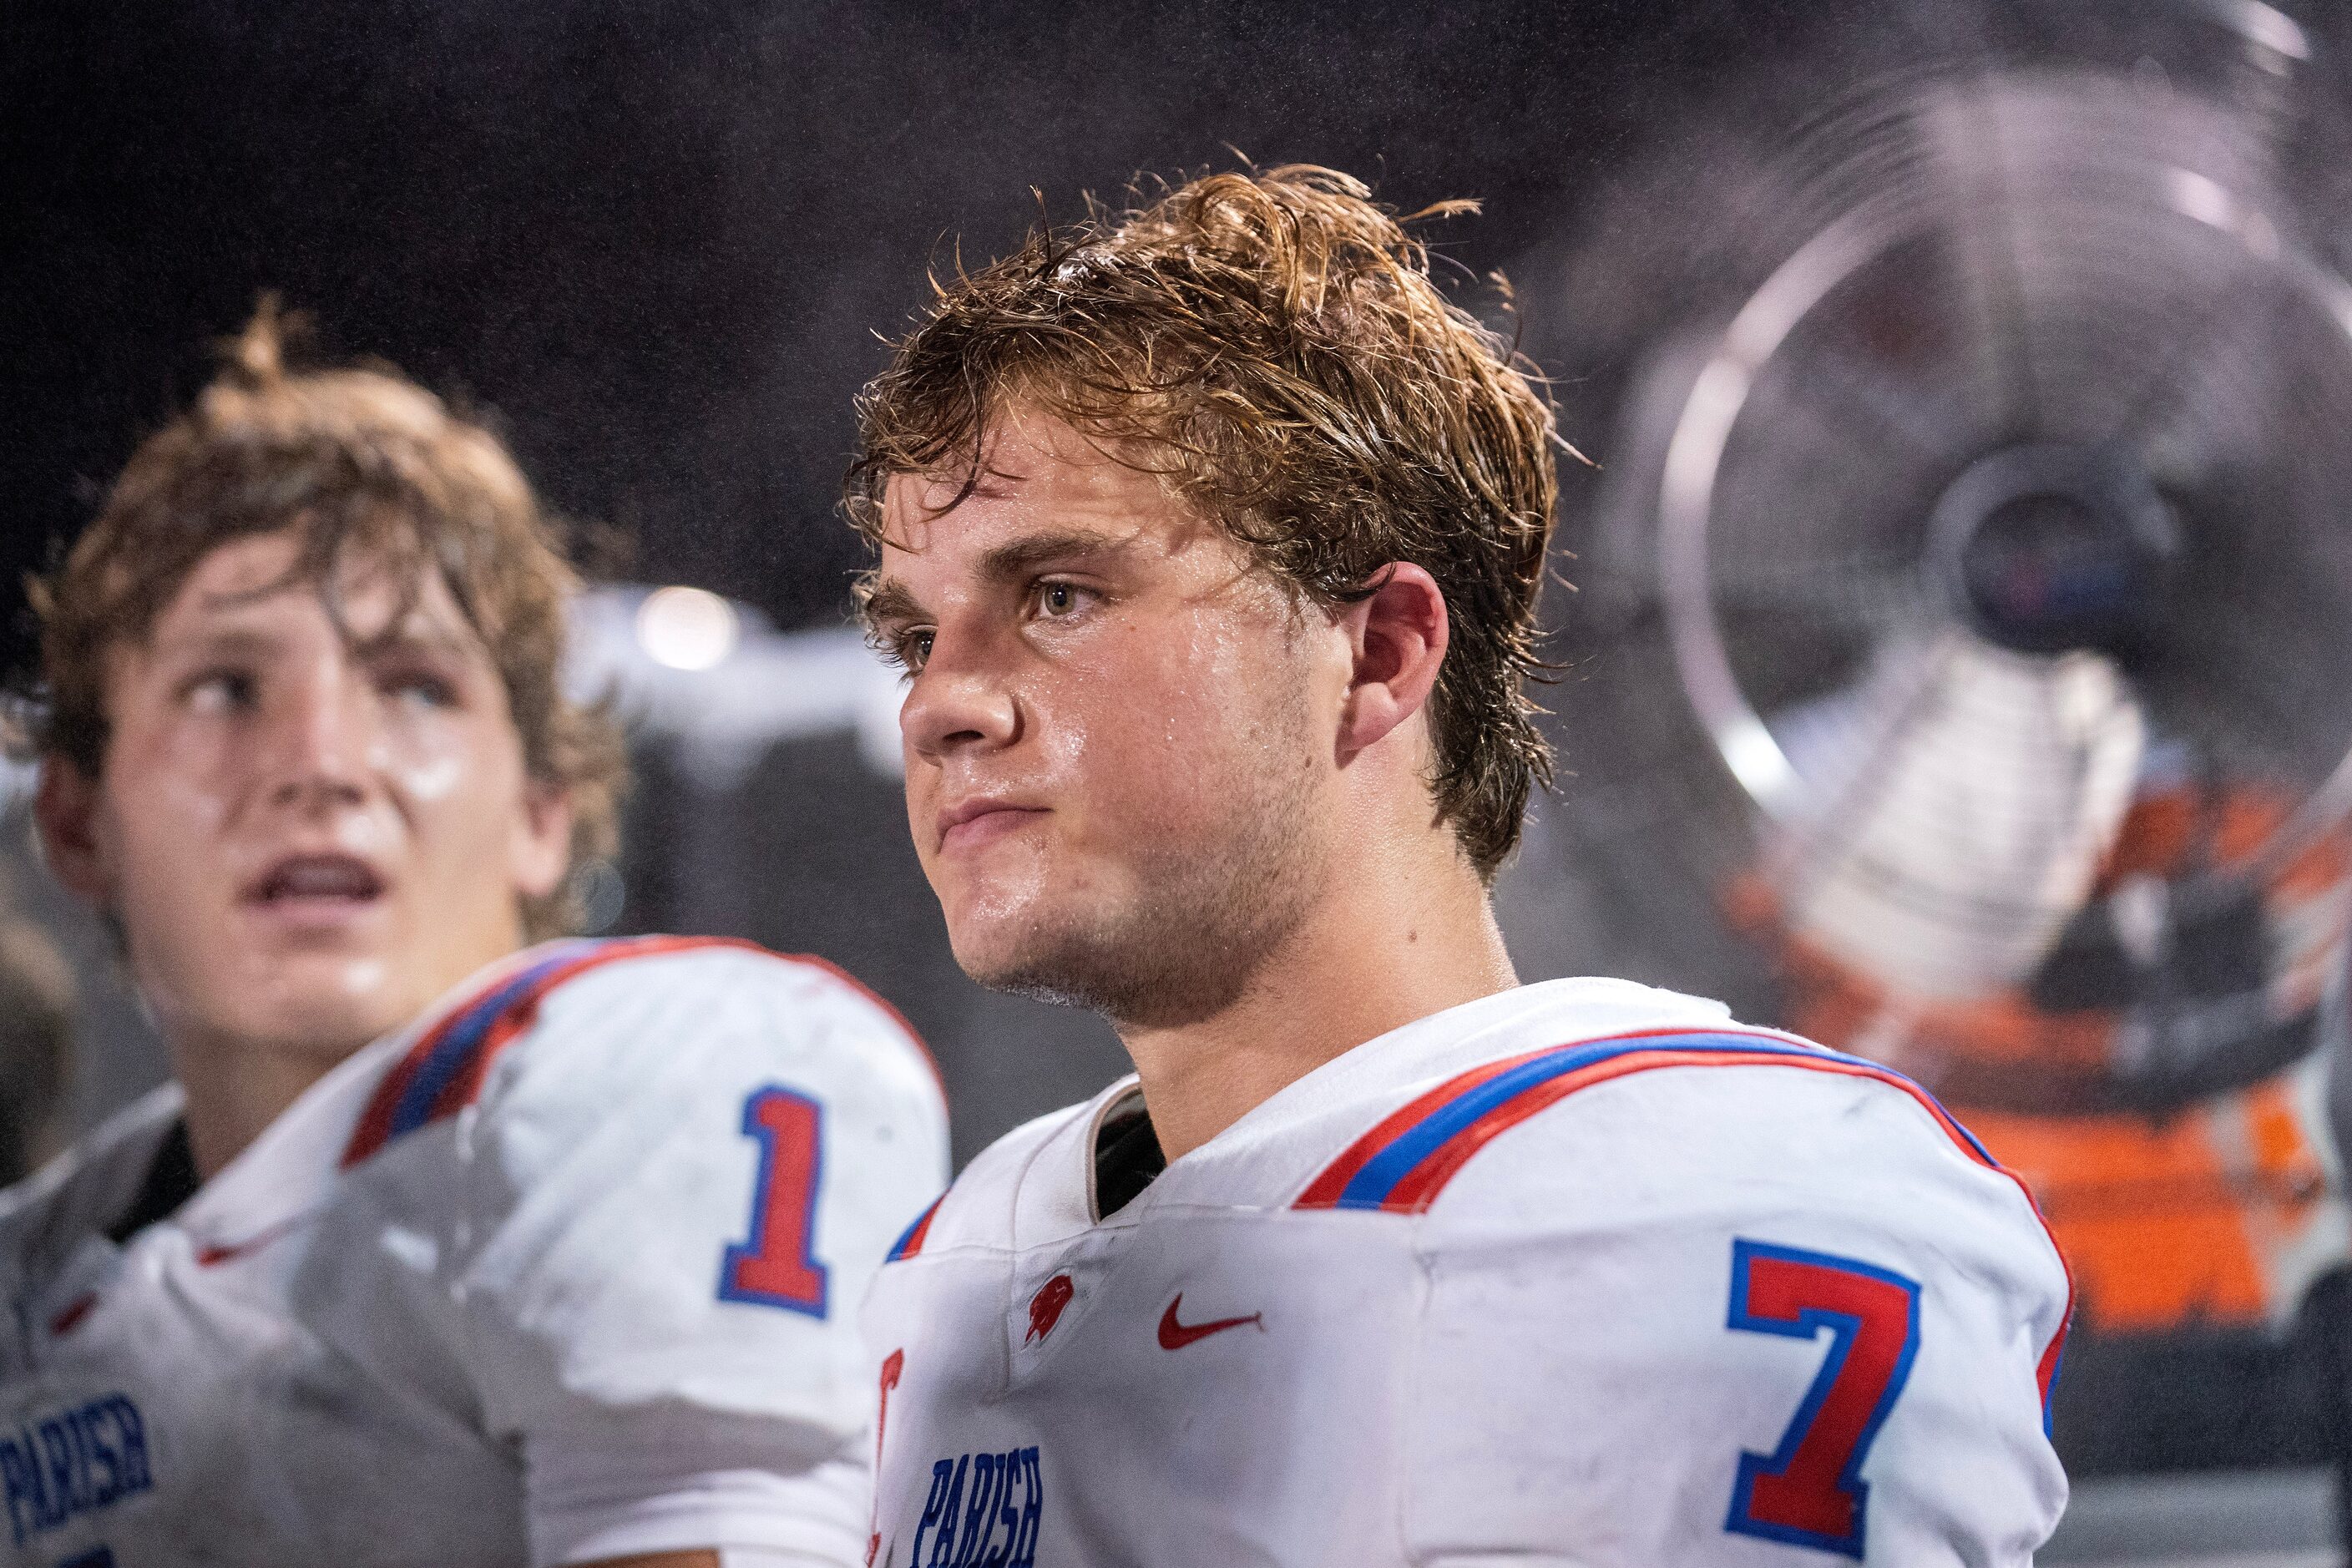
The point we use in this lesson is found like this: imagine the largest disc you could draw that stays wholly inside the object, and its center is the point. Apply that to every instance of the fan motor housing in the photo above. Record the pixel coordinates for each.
(2049, 548)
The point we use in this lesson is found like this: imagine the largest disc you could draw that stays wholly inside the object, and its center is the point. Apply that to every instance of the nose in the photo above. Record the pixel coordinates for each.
(320, 739)
(959, 704)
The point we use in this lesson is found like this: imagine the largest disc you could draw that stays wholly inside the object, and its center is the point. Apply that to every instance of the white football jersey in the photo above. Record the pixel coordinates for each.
(1580, 1273)
(568, 1270)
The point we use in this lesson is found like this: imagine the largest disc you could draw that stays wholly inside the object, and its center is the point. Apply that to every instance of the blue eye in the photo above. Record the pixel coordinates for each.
(424, 690)
(223, 691)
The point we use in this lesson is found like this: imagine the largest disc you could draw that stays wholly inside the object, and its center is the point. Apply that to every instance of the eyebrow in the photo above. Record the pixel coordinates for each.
(412, 637)
(215, 642)
(891, 601)
(232, 637)
(1019, 557)
(887, 603)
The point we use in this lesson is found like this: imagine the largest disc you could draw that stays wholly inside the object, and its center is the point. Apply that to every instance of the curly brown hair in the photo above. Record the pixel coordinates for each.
(1274, 343)
(356, 459)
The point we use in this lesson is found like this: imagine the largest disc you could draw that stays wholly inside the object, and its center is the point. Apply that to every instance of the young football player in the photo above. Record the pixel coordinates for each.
(1210, 534)
(440, 1250)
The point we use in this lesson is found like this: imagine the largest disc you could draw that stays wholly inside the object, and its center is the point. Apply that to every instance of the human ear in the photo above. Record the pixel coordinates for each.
(65, 811)
(1398, 637)
(541, 846)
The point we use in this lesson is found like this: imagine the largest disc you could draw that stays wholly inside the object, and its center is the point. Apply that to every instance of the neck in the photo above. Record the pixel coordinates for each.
(236, 1088)
(1374, 955)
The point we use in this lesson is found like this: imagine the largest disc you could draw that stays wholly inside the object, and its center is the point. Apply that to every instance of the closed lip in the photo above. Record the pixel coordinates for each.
(980, 809)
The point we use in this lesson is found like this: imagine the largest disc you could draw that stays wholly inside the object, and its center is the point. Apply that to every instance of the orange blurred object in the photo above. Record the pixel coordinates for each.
(2217, 1212)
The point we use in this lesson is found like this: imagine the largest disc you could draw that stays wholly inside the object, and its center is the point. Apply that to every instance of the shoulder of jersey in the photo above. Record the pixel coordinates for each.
(1508, 1110)
(1668, 1088)
(602, 1006)
(1685, 1127)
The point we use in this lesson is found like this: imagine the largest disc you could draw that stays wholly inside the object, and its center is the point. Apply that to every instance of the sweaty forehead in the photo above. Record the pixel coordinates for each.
(1032, 480)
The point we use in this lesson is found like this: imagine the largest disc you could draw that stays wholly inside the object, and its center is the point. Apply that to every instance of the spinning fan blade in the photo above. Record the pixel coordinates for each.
(1967, 799)
(2050, 384)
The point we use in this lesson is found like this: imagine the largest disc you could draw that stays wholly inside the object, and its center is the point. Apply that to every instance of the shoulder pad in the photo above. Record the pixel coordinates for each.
(443, 1069)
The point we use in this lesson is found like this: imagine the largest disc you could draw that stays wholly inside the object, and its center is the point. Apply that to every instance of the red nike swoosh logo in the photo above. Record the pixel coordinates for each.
(1175, 1336)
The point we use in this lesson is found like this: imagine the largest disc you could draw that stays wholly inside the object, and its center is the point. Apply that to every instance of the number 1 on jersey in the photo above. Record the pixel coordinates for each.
(1809, 1490)
(777, 1267)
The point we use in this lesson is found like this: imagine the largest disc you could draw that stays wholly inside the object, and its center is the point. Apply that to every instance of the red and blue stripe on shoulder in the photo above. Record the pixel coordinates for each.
(910, 1240)
(1404, 1163)
(444, 1070)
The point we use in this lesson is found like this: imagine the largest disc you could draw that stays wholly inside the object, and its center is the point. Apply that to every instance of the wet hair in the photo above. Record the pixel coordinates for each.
(354, 463)
(1273, 344)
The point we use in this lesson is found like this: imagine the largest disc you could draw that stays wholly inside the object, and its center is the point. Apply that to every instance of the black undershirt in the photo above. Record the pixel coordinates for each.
(170, 1180)
(1127, 1160)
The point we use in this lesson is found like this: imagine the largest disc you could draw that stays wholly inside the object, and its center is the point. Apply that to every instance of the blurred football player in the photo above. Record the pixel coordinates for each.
(440, 1250)
(1212, 535)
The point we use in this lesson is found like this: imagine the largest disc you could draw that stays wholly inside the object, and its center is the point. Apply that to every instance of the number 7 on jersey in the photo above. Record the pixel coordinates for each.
(778, 1266)
(1809, 1491)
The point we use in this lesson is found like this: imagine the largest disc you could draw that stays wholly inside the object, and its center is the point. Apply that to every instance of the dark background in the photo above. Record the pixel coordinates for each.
(657, 241)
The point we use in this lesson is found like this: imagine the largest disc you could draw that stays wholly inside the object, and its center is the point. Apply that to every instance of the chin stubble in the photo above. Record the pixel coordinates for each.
(1206, 921)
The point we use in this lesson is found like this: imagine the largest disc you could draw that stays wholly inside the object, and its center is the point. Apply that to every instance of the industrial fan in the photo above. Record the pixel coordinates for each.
(1997, 530)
